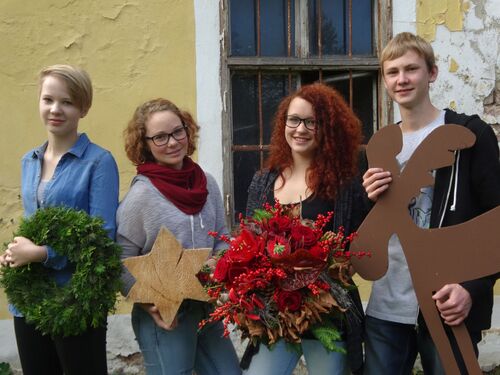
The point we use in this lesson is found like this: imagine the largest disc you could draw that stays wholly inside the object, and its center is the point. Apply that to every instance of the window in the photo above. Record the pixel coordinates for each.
(271, 48)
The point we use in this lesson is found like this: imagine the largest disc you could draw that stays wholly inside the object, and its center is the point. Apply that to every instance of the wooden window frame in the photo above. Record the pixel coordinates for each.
(382, 33)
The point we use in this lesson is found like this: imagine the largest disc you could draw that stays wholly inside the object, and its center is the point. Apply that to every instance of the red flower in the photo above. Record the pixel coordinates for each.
(303, 236)
(279, 225)
(278, 247)
(245, 247)
(319, 252)
(289, 300)
(221, 268)
(276, 263)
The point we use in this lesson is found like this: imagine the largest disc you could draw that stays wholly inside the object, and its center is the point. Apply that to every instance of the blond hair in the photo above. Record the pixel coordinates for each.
(77, 80)
(404, 42)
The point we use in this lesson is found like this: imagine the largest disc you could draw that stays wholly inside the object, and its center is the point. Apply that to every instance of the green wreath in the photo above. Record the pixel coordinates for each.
(90, 294)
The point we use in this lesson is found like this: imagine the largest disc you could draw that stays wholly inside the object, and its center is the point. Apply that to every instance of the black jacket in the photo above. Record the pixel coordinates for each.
(350, 209)
(477, 171)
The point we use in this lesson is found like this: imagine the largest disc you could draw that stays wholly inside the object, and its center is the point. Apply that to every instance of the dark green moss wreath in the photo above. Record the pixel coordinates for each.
(91, 293)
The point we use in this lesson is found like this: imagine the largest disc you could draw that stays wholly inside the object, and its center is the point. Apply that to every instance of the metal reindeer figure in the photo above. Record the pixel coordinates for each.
(430, 253)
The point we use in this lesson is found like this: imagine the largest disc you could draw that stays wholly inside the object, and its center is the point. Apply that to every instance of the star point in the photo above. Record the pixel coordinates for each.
(167, 275)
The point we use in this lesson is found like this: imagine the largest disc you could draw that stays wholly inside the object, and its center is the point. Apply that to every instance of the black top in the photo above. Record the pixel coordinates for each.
(312, 206)
(350, 208)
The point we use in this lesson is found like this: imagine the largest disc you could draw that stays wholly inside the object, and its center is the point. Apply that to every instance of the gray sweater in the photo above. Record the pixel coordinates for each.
(144, 210)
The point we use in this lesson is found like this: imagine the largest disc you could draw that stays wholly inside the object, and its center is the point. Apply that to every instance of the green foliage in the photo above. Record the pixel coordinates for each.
(5, 369)
(91, 293)
(261, 214)
(328, 335)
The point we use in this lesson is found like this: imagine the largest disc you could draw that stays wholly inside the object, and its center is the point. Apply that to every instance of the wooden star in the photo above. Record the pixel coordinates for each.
(167, 275)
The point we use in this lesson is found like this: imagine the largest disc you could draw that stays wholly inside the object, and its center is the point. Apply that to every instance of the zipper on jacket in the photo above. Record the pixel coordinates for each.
(455, 187)
(443, 209)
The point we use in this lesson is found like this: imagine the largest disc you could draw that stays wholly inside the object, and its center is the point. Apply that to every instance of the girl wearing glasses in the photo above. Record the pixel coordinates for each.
(173, 191)
(67, 170)
(313, 161)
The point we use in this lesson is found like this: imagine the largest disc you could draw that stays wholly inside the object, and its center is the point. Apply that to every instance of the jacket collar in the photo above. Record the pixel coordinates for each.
(77, 149)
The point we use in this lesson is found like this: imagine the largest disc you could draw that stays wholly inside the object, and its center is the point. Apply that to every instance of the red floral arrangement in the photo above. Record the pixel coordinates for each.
(282, 276)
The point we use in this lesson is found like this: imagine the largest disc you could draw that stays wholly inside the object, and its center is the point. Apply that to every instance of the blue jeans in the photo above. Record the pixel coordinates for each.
(184, 349)
(282, 360)
(391, 348)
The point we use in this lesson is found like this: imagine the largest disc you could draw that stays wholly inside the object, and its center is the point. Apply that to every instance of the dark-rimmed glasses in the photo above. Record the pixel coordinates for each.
(294, 122)
(162, 139)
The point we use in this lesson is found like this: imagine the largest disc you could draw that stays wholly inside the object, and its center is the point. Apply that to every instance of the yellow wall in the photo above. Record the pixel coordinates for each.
(431, 13)
(133, 51)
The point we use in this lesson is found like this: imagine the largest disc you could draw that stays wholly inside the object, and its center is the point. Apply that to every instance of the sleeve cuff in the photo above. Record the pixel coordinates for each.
(54, 260)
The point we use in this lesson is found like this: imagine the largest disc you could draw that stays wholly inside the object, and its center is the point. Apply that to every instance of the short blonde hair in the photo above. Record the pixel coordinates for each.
(77, 80)
(404, 42)
(136, 147)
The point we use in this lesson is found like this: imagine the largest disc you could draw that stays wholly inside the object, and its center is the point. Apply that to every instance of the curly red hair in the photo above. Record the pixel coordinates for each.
(339, 136)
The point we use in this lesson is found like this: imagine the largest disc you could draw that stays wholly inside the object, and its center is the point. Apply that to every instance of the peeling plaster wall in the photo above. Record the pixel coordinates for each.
(466, 37)
(439, 12)
(469, 60)
(134, 51)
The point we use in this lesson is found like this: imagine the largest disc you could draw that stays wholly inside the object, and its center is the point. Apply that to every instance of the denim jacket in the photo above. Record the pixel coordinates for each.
(86, 178)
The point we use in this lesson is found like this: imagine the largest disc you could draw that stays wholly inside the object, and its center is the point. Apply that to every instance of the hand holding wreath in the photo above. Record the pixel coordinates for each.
(22, 251)
(90, 294)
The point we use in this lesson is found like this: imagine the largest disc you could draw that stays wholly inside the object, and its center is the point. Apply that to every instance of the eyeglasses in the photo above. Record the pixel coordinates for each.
(162, 139)
(294, 122)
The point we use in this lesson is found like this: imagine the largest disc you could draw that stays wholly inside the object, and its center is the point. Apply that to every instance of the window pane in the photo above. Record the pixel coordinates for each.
(362, 98)
(313, 28)
(308, 77)
(243, 35)
(363, 101)
(274, 27)
(245, 164)
(339, 80)
(274, 88)
(335, 27)
(362, 25)
(245, 109)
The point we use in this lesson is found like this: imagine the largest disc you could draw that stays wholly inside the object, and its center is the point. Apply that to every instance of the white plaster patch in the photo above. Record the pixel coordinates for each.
(471, 21)
(208, 92)
(492, 8)
(404, 16)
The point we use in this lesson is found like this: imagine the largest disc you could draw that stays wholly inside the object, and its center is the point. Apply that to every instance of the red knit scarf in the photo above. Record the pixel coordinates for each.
(185, 188)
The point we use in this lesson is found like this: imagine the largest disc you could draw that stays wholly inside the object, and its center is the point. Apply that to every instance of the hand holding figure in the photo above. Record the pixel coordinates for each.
(375, 182)
(152, 310)
(454, 303)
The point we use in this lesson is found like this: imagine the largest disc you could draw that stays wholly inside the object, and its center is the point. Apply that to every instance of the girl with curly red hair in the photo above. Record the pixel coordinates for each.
(314, 161)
